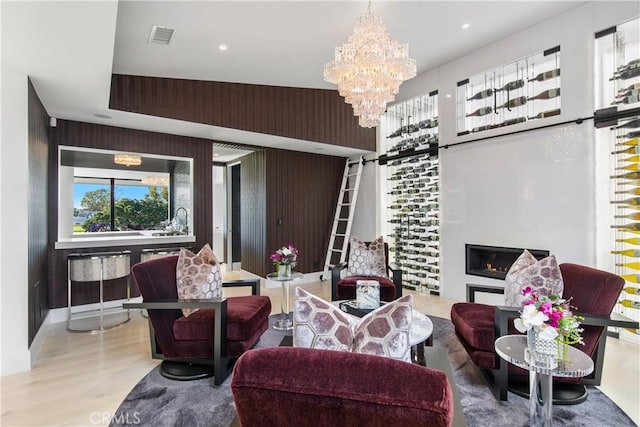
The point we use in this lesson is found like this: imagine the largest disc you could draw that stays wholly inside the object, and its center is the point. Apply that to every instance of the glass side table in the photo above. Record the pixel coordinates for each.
(512, 349)
(285, 323)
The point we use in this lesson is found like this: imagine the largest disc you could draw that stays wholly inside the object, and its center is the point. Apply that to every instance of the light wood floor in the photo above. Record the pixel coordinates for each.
(81, 378)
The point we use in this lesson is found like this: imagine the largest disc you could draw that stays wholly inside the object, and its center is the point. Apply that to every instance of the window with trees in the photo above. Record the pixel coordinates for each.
(103, 204)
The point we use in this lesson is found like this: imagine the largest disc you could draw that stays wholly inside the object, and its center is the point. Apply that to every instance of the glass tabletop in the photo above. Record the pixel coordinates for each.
(294, 276)
(511, 348)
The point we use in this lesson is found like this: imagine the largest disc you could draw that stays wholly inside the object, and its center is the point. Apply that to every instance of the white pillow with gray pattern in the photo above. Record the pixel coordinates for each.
(367, 260)
(542, 276)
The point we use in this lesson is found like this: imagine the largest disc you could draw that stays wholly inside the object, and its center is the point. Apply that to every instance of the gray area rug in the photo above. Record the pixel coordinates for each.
(160, 402)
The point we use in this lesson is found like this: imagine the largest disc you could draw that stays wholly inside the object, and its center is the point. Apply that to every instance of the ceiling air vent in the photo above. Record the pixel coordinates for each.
(162, 35)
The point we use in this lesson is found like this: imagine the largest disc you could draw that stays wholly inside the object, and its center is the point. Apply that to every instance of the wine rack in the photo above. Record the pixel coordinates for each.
(412, 190)
(524, 90)
(617, 71)
(618, 67)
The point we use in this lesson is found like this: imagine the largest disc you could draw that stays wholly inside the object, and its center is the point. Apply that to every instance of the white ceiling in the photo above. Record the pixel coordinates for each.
(71, 48)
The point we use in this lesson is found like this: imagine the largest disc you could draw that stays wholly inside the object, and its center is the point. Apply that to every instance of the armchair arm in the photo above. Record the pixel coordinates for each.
(254, 283)
(615, 320)
(335, 278)
(396, 278)
(489, 289)
(501, 376)
(177, 304)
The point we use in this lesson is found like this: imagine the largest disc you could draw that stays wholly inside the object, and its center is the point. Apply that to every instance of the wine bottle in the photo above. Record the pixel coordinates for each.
(626, 74)
(630, 124)
(634, 191)
(482, 94)
(630, 142)
(632, 201)
(628, 93)
(629, 134)
(627, 100)
(481, 128)
(481, 112)
(628, 175)
(395, 192)
(544, 114)
(547, 94)
(546, 75)
(632, 265)
(635, 278)
(395, 206)
(433, 123)
(630, 150)
(515, 102)
(631, 159)
(629, 167)
(634, 216)
(634, 226)
(629, 88)
(629, 252)
(630, 304)
(422, 124)
(513, 121)
(516, 84)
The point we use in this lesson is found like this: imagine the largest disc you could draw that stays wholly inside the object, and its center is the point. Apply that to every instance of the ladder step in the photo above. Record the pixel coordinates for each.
(349, 189)
(352, 174)
(339, 235)
(343, 219)
(336, 250)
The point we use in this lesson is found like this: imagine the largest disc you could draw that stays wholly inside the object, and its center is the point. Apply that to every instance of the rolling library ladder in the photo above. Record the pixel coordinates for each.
(341, 230)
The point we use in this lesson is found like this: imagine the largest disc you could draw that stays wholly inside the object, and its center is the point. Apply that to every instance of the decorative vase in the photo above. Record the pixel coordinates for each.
(284, 271)
(542, 353)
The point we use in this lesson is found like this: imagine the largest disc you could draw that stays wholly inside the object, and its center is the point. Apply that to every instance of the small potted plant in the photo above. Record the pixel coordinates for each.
(284, 259)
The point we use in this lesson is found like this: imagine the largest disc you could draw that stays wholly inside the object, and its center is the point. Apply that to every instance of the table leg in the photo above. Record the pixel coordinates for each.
(540, 399)
(284, 323)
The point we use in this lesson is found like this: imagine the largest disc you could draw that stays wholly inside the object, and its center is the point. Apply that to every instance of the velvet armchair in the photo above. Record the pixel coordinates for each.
(344, 288)
(593, 292)
(208, 341)
(297, 386)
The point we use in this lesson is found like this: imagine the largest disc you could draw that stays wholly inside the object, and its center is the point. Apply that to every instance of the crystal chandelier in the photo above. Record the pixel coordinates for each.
(369, 69)
(127, 159)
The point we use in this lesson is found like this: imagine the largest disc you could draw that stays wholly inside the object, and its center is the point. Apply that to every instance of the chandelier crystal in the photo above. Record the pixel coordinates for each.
(369, 69)
(155, 180)
(127, 159)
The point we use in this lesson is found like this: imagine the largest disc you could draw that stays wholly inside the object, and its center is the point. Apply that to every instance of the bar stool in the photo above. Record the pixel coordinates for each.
(98, 267)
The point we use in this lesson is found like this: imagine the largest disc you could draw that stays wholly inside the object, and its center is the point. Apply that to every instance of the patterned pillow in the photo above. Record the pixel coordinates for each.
(198, 276)
(367, 260)
(383, 332)
(542, 276)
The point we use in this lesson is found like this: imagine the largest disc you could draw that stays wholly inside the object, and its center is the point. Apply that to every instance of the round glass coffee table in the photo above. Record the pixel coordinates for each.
(285, 323)
(512, 349)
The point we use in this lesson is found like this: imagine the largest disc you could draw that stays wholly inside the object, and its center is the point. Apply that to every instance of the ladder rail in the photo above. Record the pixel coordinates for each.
(352, 191)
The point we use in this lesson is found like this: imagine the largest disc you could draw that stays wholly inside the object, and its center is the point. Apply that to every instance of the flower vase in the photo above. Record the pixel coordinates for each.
(541, 352)
(284, 271)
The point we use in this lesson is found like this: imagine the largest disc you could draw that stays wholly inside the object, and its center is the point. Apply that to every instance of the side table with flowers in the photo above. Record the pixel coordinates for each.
(284, 260)
(551, 327)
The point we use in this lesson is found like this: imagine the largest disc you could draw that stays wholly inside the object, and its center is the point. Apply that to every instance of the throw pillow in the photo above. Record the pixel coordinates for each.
(367, 260)
(542, 276)
(198, 276)
(384, 332)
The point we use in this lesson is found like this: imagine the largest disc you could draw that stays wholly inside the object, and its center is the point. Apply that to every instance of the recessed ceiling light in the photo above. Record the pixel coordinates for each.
(222, 47)
(215, 154)
(101, 116)
(448, 95)
(465, 26)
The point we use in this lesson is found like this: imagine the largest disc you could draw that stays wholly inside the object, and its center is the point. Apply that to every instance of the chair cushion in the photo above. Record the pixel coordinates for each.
(367, 259)
(475, 323)
(383, 332)
(346, 287)
(245, 315)
(542, 276)
(198, 276)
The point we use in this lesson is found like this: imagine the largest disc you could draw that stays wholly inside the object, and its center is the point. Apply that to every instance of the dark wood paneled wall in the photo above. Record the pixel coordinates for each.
(38, 123)
(300, 191)
(253, 215)
(319, 115)
(89, 135)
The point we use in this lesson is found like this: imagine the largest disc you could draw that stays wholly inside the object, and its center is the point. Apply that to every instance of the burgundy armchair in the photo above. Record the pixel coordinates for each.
(345, 288)
(209, 340)
(296, 386)
(593, 292)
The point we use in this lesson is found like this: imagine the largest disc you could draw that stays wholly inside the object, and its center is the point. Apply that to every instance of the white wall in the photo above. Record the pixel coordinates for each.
(13, 220)
(535, 189)
(365, 217)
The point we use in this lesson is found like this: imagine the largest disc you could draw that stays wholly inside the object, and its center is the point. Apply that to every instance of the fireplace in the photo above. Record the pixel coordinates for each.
(494, 261)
